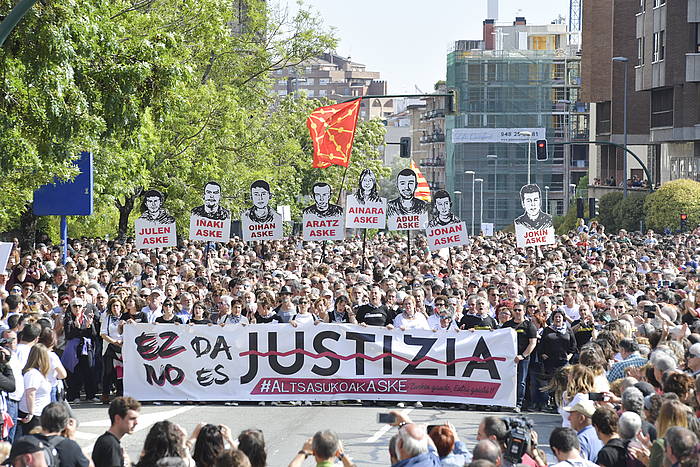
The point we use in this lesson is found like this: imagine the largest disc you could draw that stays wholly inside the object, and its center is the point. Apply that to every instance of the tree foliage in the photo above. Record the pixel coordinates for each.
(664, 206)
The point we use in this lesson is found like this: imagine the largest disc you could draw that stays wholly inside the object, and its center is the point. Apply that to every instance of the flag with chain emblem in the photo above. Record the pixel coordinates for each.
(332, 130)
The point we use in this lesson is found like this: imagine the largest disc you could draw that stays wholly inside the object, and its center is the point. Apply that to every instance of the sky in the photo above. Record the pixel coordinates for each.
(407, 40)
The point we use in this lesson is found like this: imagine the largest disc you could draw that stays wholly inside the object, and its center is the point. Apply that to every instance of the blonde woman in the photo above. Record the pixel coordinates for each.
(37, 389)
(671, 413)
(581, 382)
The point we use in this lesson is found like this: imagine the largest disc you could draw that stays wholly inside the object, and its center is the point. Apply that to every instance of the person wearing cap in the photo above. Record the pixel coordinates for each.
(28, 451)
(79, 354)
(693, 365)
(580, 412)
(286, 309)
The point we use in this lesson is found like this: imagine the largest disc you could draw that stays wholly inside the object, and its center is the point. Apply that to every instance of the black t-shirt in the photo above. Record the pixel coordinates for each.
(199, 321)
(613, 454)
(108, 451)
(139, 317)
(583, 334)
(477, 322)
(524, 332)
(172, 320)
(69, 452)
(373, 316)
(273, 318)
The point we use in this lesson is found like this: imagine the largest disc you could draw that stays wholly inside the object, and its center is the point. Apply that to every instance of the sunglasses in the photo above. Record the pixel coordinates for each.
(76, 306)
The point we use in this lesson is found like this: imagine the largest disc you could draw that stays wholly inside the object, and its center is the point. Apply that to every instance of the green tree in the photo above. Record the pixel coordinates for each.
(664, 206)
(629, 212)
(608, 211)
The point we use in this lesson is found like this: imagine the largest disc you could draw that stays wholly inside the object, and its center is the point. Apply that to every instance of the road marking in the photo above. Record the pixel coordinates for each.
(86, 436)
(145, 421)
(382, 431)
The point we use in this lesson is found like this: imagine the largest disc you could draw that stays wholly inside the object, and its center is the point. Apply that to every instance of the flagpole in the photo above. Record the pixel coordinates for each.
(342, 183)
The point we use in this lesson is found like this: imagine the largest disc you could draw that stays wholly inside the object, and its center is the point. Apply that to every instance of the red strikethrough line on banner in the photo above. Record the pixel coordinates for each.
(367, 357)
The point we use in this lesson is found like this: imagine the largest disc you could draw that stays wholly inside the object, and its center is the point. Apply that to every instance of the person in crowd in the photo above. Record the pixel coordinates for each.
(451, 450)
(682, 447)
(580, 421)
(165, 439)
(199, 315)
(325, 447)
(409, 318)
(209, 443)
(232, 458)
(526, 335)
(168, 316)
(557, 344)
(79, 354)
(112, 348)
(565, 446)
(252, 443)
(124, 416)
(57, 373)
(37, 389)
(614, 450)
(55, 419)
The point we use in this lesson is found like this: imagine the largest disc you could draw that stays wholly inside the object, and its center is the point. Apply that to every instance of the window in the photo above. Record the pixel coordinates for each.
(659, 46)
(662, 108)
(282, 81)
(309, 81)
(322, 93)
(640, 51)
(658, 3)
(641, 6)
(323, 81)
(310, 92)
(697, 37)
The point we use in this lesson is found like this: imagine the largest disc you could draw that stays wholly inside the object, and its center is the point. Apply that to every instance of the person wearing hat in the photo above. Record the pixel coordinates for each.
(287, 309)
(28, 451)
(580, 410)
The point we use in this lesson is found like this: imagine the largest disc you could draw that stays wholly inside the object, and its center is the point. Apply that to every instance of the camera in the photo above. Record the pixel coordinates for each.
(518, 438)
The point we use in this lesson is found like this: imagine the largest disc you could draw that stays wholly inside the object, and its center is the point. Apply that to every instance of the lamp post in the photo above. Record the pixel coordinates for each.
(458, 195)
(495, 165)
(472, 173)
(624, 60)
(529, 141)
(480, 181)
(546, 199)
(567, 150)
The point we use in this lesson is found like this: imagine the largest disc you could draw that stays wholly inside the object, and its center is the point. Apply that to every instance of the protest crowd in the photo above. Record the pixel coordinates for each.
(608, 336)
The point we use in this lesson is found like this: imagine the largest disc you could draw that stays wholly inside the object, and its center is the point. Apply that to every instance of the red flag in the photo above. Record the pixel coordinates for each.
(332, 130)
(423, 189)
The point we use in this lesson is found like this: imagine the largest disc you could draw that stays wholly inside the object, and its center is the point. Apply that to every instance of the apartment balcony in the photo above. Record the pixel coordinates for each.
(433, 138)
(433, 162)
(431, 114)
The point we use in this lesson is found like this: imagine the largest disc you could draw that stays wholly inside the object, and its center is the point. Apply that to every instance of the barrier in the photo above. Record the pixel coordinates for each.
(278, 362)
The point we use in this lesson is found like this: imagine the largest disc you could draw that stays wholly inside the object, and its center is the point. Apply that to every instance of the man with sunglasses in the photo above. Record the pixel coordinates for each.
(526, 335)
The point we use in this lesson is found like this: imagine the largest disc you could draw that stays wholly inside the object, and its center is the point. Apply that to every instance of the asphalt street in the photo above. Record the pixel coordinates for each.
(286, 427)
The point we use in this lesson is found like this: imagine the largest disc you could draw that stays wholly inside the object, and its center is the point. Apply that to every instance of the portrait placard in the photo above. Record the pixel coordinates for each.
(260, 221)
(534, 227)
(210, 222)
(364, 208)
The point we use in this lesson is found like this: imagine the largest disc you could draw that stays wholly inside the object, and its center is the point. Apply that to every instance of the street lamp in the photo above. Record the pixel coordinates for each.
(567, 149)
(495, 165)
(529, 140)
(472, 173)
(458, 195)
(480, 181)
(546, 199)
(624, 60)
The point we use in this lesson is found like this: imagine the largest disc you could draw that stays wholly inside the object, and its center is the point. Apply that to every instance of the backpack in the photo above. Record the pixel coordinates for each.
(50, 451)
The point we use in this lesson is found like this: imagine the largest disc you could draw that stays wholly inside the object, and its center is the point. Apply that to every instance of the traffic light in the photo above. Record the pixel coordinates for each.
(579, 208)
(593, 208)
(541, 149)
(684, 222)
(405, 146)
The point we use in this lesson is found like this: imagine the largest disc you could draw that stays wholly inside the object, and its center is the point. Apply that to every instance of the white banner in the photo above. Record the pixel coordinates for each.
(5, 250)
(367, 215)
(150, 234)
(534, 237)
(445, 236)
(496, 135)
(277, 362)
(317, 228)
(209, 230)
(487, 229)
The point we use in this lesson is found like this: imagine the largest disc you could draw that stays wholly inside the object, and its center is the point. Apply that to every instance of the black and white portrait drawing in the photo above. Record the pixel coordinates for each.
(367, 188)
(322, 206)
(211, 209)
(533, 218)
(407, 203)
(442, 210)
(154, 209)
(261, 212)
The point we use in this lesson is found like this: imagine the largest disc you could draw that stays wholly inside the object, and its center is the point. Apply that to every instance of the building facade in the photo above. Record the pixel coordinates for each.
(339, 79)
(518, 76)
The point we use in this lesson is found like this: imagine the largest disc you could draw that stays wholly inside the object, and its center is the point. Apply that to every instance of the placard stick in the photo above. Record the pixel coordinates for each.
(364, 244)
(409, 246)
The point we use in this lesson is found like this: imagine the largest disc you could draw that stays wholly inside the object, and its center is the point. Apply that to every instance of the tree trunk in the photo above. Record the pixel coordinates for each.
(125, 211)
(27, 228)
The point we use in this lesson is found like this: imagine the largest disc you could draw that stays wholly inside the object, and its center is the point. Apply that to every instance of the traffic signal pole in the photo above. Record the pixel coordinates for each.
(14, 17)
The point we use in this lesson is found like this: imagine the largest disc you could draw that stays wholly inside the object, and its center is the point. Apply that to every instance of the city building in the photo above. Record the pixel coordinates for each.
(428, 138)
(516, 76)
(339, 79)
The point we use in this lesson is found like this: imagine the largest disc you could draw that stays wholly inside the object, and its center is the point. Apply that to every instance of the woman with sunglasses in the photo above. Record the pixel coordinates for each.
(79, 354)
(168, 316)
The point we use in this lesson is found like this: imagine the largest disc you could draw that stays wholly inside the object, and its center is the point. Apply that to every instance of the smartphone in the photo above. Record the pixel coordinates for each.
(596, 396)
(387, 418)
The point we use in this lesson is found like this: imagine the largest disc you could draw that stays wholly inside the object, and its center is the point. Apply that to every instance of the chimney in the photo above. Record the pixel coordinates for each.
(519, 21)
(488, 34)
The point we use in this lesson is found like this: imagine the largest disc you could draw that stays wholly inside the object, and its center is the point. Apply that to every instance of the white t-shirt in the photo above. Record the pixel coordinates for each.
(572, 312)
(55, 362)
(580, 462)
(42, 397)
(304, 319)
(22, 353)
(19, 382)
(418, 322)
